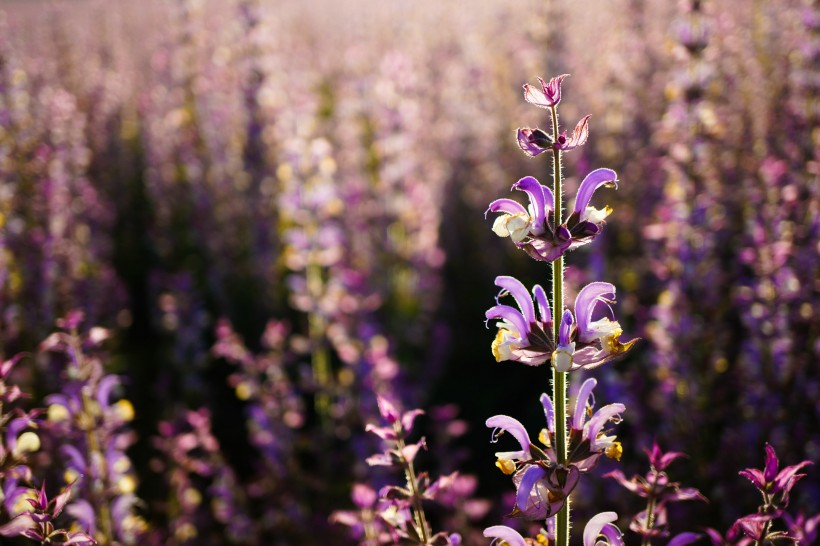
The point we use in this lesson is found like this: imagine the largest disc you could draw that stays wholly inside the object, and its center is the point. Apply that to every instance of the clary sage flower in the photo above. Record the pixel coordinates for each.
(542, 485)
(599, 531)
(532, 228)
(526, 337)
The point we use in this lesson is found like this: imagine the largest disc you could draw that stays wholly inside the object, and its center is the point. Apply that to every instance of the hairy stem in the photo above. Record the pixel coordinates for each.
(559, 379)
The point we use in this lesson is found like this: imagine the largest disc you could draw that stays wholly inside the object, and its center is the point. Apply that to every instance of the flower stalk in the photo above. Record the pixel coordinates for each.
(559, 379)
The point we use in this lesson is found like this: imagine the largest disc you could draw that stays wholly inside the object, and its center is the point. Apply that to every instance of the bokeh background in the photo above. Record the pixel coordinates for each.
(277, 210)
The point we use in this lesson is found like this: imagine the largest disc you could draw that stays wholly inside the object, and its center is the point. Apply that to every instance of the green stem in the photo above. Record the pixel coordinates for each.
(650, 508)
(559, 379)
(412, 480)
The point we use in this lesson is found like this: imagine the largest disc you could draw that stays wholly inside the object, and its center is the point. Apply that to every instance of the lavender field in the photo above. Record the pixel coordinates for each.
(338, 273)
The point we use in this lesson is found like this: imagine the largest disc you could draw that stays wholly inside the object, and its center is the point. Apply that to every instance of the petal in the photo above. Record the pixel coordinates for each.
(510, 314)
(588, 297)
(602, 417)
(519, 292)
(525, 487)
(549, 412)
(787, 477)
(543, 305)
(579, 135)
(527, 143)
(683, 539)
(755, 476)
(595, 525)
(506, 534)
(506, 205)
(409, 418)
(772, 463)
(565, 328)
(515, 428)
(17, 525)
(592, 181)
(579, 417)
(535, 190)
(536, 96)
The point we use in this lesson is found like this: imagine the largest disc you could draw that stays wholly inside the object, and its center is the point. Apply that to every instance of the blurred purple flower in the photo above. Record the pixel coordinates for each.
(775, 486)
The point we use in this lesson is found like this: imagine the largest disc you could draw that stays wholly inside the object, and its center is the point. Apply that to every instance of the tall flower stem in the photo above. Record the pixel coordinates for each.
(559, 379)
(412, 481)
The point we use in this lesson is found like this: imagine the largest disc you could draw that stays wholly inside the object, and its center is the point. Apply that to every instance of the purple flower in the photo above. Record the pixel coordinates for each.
(775, 485)
(599, 527)
(526, 337)
(535, 141)
(533, 229)
(548, 96)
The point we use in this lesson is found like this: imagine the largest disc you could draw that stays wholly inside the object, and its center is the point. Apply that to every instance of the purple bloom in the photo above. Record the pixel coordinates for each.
(599, 527)
(548, 96)
(775, 485)
(526, 337)
(535, 141)
(533, 229)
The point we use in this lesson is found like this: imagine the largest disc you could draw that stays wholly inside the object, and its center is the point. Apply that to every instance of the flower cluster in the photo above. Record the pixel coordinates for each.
(658, 491)
(583, 342)
(533, 228)
(397, 512)
(38, 523)
(543, 484)
(774, 485)
(545, 478)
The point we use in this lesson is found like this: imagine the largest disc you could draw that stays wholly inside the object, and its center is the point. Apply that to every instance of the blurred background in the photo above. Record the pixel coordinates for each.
(277, 210)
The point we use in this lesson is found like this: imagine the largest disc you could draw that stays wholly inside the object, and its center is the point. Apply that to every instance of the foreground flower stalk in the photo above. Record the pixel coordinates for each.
(568, 339)
(559, 378)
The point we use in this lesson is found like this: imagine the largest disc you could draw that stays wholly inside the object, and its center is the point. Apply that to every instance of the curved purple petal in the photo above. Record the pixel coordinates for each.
(601, 418)
(506, 205)
(787, 477)
(528, 143)
(536, 192)
(579, 417)
(82, 511)
(528, 481)
(565, 328)
(519, 292)
(17, 525)
(506, 534)
(510, 314)
(543, 304)
(770, 470)
(515, 428)
(104, 388)
(595, 526)
(588, 297)
(683, 539)
(591, 182)
(549, 412)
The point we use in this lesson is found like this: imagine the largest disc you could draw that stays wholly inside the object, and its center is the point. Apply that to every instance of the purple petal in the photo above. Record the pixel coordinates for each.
(595, 525)
(506, 205)
(534, 189)
(579, 417)
(588, 297)
(593, 181)
(772, 463)
(755, 476)
(409, 418)
(528, 481)
(82, 511)
(506, 534)
(601, 418)
(17, 525)
(527, 143)
(515, 428)
(104, 388)
(549, 412)
(565, 328)
(387, 410)
(363, 496)
(510, 314)
(787, 477)
(543, 305)
(519, 292)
